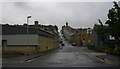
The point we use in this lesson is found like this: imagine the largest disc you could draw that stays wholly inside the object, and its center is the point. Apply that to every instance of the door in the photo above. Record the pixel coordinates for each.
(4, 45)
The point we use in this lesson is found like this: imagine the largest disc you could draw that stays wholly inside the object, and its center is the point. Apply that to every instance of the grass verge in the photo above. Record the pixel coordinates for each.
(11, 54)
(107, 49)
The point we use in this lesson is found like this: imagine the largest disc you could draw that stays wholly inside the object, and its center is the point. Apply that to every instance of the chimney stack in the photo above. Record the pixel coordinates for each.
(66, 23)
(36, 23)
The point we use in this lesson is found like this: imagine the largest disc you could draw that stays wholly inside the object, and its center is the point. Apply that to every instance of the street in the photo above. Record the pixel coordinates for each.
(58, 34)
(68, 56)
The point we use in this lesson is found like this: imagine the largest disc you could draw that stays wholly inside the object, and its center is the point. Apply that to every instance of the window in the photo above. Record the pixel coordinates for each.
(111, 37)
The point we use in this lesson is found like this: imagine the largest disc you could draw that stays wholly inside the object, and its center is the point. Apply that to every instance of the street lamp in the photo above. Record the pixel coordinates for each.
(27, 29)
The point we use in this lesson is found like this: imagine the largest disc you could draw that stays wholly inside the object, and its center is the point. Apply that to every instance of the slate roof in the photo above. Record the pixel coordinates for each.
(21, 29)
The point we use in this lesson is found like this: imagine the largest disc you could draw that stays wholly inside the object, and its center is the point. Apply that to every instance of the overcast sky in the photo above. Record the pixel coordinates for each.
(78, 14)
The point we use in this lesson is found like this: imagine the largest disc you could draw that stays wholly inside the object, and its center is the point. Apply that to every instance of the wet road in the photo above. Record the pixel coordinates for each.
(68, 56)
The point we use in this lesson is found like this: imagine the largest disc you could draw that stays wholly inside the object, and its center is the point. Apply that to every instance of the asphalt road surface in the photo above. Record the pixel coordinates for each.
(68, 56)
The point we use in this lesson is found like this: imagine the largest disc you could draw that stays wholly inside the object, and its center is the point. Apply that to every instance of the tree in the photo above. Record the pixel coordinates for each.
(114, 21)
(99, 29)
(100, 22)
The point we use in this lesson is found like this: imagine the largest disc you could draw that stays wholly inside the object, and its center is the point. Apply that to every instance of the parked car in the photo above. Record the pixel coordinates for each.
(73, 44)
(62, 44)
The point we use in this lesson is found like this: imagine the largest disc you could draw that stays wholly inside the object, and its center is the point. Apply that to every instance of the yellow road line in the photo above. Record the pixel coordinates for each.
(105, 60)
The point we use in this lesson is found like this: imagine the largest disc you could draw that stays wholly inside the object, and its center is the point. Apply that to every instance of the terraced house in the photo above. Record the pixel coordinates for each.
(16, 39)
(81, 37)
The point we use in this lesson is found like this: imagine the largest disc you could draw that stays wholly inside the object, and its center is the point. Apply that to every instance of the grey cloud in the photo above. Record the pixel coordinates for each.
(78, 14)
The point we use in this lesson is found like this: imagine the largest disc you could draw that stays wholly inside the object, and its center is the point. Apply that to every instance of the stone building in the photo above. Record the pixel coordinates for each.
(81, 37)
(109, 40)
(16, 39)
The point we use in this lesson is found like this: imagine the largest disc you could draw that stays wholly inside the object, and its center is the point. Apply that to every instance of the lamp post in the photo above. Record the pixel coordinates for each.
(27, 29)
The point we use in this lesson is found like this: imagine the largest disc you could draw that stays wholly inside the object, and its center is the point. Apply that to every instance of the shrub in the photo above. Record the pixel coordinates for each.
(107, 49)
(100, 48)
(117, 50)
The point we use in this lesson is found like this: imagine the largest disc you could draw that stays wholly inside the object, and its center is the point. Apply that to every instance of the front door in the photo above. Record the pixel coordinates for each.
(4, 45)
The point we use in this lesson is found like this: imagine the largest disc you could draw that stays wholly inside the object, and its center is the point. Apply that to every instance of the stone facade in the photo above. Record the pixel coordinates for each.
(15, 39)
(78, 36)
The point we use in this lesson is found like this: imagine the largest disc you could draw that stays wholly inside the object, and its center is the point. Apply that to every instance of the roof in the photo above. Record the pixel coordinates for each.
(51, 29)
(21, 29)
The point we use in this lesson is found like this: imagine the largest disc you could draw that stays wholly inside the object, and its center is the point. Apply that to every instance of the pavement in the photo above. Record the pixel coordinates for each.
(27, 58)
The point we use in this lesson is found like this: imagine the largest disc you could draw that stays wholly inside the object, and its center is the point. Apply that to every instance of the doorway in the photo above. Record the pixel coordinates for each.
(4, 45)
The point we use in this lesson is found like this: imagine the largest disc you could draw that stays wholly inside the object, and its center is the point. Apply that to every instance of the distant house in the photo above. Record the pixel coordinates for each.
(16, 39)
(85, 36)
(108, 39)
(94, 38)
(80, 37)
